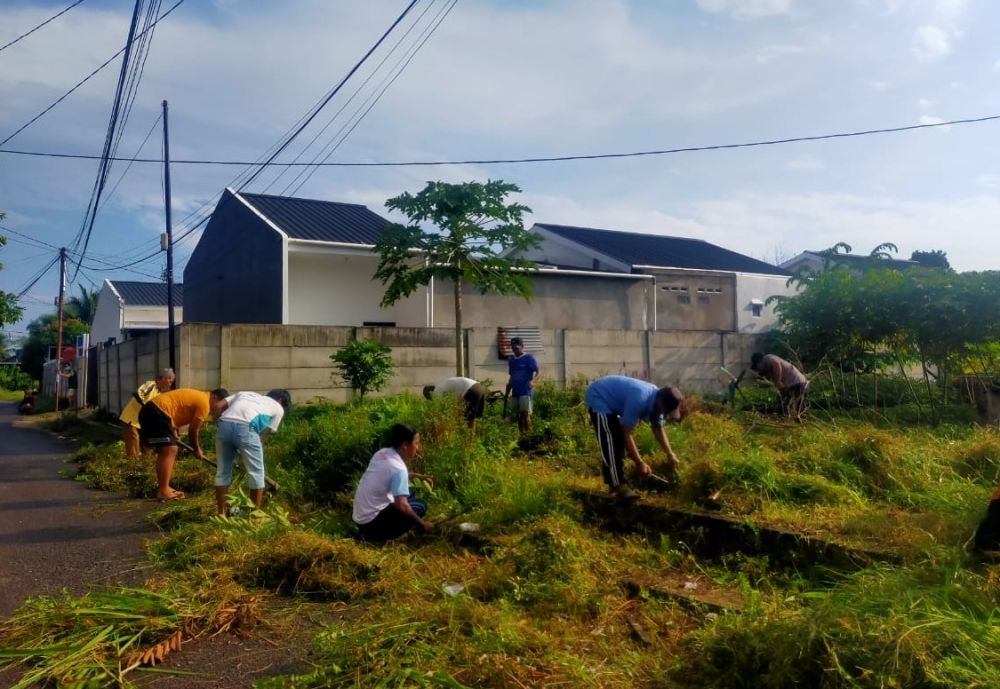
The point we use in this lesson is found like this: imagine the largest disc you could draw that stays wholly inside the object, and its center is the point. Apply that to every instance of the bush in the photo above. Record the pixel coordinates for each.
(365, 365)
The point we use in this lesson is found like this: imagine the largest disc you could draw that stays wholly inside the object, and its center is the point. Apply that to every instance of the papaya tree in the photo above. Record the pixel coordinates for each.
(474, 227)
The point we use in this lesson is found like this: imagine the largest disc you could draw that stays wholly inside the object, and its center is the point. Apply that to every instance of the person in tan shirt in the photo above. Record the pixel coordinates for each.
(160, 421)
(130, 414)
(791, 382)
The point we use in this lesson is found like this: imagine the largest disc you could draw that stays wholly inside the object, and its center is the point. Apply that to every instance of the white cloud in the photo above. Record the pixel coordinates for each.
(934, 119)
(878, 85)
(996, 66)
(772, 52)
(805, 164)
(925, 103)
(931, 43)
(747, 9)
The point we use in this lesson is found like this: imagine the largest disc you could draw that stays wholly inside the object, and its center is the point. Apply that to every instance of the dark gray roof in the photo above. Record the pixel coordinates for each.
(135, 293)
(859, 260)
(665, 252)
(325, 221)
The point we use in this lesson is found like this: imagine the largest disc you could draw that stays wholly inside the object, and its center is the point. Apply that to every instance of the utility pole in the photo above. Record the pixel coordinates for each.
(62, 298)
(169, 240)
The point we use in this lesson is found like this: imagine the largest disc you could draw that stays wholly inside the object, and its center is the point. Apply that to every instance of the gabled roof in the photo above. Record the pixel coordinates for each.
(860, 260)
(135, 293)
(660, 251)
(324, 221)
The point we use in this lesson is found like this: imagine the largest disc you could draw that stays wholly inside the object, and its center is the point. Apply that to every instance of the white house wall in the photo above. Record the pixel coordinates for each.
(751, 287)
(149, 317)
(107, 317)
(337, 289)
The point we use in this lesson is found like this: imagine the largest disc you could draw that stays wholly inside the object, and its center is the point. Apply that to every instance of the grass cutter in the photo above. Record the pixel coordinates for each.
(732, 384)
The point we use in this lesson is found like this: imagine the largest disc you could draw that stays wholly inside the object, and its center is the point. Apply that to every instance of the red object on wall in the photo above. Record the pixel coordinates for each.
(68, 354)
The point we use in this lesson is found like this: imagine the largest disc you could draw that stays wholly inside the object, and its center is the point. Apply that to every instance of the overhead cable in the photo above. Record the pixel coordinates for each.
(263, 166)
(542, 159)
(28, 33)
(83, 81)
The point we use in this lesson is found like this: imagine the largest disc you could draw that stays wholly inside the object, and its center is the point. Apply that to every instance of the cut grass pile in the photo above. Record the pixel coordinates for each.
(542, 598)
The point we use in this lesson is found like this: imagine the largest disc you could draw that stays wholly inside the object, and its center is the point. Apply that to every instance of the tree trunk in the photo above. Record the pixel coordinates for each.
(459, 335)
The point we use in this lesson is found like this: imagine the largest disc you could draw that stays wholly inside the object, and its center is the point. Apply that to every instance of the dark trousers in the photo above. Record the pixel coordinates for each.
(612, 443)
(988, 533)
(391, 523)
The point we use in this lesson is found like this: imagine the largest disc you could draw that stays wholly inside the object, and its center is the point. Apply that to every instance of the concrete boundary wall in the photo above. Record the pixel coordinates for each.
(297, 357)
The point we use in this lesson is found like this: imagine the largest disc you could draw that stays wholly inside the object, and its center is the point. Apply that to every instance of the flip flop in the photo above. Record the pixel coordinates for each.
(178, 495)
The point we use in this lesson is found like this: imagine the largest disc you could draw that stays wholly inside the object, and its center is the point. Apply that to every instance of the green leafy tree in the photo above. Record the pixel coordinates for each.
(477, 232)
(83, 306)
(43, 333)
(931, 259)
(10, 312)
(365, 365)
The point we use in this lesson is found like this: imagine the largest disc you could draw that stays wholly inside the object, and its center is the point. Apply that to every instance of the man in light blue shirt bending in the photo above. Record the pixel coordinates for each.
(617, 404)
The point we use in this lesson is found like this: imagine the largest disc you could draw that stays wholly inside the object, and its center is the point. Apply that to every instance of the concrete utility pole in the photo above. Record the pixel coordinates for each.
(169, 240)
(59, 329)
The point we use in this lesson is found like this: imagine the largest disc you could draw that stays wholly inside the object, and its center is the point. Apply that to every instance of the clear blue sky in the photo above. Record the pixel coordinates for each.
(502, 79)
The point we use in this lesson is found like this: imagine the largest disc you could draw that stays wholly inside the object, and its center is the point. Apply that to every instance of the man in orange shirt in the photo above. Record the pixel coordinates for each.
(159, 422)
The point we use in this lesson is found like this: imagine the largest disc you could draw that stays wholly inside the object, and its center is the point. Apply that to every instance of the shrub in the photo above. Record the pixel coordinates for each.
(365, 365)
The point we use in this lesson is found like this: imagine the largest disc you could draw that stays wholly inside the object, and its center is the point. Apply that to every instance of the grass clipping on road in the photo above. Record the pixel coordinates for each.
(542, 596)
(97, 639)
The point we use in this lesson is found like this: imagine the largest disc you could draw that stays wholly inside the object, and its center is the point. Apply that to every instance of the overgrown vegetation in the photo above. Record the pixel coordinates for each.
(530, 592)
(864, 317)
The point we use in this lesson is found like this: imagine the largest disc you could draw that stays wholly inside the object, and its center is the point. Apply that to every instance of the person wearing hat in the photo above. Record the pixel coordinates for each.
(524, 374)
(617, 404)
(130, 414)
(244, 421)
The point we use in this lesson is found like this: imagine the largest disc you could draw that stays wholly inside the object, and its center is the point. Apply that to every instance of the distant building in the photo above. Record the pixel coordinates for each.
(697, 285)
(817, 261)
(282, 260)
(127, 309)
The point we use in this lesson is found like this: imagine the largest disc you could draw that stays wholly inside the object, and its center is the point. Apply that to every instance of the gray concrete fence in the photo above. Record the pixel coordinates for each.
(297, 357)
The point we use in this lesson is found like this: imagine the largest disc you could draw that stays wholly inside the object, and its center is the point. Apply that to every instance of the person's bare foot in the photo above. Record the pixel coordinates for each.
(171, 495)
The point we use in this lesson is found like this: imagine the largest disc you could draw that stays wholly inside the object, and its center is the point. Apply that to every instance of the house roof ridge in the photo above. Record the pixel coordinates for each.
(632, 232)
(299, 199)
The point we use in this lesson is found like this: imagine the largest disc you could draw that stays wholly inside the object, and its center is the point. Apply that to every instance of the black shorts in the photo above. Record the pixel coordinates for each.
(155, 427)
(475, 402)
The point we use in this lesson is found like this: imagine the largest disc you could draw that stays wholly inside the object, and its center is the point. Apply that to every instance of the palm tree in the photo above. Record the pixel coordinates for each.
(84, 306)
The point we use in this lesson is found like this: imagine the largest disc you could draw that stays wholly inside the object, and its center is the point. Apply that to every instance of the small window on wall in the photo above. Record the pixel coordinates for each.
(704, 299)
(756, 308)
(683, 299)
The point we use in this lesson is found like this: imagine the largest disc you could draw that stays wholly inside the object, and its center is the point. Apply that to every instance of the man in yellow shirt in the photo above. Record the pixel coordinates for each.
(130, 414)
(160, 421)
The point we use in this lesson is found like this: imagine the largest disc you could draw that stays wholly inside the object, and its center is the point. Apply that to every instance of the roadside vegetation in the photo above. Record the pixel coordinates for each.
(544, 591)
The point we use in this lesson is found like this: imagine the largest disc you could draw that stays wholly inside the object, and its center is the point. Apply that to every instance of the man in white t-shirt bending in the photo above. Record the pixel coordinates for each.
(383, 506)
(244, 422)
(469, 390)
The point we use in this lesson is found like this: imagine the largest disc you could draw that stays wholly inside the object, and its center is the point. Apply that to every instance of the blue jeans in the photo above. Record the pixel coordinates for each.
(232, 437)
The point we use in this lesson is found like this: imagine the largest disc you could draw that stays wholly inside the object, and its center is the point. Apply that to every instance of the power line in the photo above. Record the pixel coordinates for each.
(284, 142)
(541, 159)
(128, 83)
(129, 166)
(386, 83)
(28, 33)
(333, 118)
(83, 81)
(336, 89)
(37, 241)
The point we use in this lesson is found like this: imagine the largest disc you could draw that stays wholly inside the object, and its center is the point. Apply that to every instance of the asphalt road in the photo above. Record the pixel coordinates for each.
(56, 533)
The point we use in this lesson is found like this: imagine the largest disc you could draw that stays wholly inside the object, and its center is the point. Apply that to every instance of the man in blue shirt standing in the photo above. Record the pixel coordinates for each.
(524, 373)
(617, 404)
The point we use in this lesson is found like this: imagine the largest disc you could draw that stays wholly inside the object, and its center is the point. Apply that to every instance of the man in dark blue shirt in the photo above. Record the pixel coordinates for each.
(524, 373)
